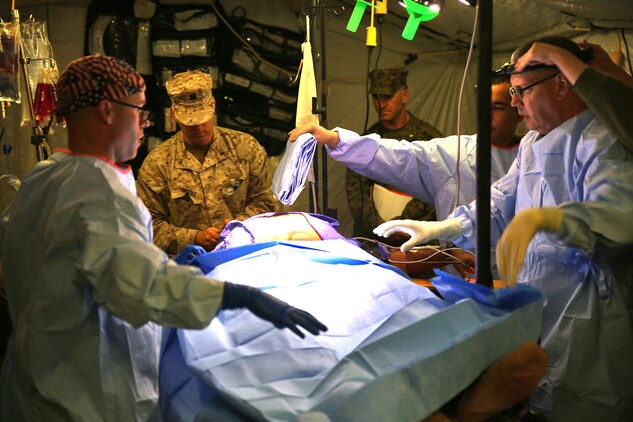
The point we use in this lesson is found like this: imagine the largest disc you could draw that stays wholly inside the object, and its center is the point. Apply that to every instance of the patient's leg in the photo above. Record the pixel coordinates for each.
(501, 387)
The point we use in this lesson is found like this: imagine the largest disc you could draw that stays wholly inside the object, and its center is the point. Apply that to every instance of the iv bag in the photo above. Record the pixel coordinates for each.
(45, 97)
(9, 61)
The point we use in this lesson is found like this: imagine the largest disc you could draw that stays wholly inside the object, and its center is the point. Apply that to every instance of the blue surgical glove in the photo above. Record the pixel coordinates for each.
(269, 308)
(188, 253)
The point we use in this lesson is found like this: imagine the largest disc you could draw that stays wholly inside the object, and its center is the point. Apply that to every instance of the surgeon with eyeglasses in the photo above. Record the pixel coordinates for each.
(561, 221)
(86, 287)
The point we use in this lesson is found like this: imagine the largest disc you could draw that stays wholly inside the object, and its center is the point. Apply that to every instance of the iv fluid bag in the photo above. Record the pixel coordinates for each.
(9, 61)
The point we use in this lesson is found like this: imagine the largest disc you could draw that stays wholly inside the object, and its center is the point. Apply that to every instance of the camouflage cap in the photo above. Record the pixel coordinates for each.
(88, 80)
(191, 98)
(387, 81)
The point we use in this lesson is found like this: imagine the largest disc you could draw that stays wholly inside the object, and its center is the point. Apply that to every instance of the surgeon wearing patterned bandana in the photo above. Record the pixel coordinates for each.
(204, 175)
(86, 287)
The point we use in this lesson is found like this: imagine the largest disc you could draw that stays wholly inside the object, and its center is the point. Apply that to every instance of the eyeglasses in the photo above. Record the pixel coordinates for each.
(143, 112)
(518, 91)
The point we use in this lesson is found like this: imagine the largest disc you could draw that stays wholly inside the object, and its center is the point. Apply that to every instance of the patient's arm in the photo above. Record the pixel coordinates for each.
(282, 227)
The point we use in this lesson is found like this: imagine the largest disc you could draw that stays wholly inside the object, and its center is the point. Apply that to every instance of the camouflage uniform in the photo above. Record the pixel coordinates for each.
(185, 196)
(359, 187)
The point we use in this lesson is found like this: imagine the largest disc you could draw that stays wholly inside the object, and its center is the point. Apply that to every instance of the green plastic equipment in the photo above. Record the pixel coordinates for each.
(357, 14)
(418, 12)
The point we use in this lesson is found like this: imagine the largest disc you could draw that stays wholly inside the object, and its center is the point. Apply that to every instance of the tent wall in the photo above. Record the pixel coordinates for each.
(434, 78)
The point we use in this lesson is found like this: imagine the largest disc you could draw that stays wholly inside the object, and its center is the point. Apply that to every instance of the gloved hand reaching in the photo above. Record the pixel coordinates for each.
(421, 231)
(188, 253)
(516, 237)
(270, 308)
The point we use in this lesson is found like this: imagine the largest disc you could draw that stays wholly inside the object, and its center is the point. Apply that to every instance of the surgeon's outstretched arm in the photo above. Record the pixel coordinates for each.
(270, 308)
(322, 135)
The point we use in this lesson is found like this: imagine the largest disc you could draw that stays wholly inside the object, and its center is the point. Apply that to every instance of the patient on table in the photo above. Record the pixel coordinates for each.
(385, 354)
(304, 226)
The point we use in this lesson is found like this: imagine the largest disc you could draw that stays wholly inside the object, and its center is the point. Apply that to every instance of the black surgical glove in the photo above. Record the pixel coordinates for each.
(269, 308)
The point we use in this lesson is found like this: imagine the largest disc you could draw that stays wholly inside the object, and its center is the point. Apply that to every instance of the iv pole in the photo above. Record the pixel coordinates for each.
(324, 92)
(38, 137)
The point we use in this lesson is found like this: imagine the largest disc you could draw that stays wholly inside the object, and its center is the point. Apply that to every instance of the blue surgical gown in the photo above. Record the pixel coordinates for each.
(84, 282)
(586, 272)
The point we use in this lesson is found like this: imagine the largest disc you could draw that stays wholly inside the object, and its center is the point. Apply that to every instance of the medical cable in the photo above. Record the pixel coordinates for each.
(246, 44)
(370, 49)
(444, 252)
(459, 112)
(310, 224)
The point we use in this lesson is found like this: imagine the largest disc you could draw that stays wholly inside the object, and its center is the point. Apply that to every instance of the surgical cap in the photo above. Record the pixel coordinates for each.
(88, 80)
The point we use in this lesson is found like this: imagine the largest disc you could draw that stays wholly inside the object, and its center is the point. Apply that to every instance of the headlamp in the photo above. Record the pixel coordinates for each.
(508, 68)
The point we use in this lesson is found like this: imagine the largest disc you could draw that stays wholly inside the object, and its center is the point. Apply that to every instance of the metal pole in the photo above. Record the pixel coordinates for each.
(484, 76)
(324, 93)
(313, 198)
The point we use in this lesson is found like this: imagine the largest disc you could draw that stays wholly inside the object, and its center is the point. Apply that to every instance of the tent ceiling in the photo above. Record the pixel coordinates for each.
(515, 21)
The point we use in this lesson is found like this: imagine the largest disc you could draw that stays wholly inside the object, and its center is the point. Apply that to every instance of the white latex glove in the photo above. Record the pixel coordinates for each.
(421, 231)
(514, 241)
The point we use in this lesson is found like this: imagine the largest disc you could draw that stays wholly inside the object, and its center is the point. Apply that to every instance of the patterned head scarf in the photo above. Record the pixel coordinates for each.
(191, 98)
(88, 80)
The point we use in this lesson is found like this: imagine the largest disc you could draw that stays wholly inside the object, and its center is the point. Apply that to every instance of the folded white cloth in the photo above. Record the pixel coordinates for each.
(292, 171)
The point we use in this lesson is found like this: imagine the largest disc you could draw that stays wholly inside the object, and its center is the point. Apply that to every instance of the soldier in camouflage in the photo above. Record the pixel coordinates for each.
(204, 175)
(388, 88)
